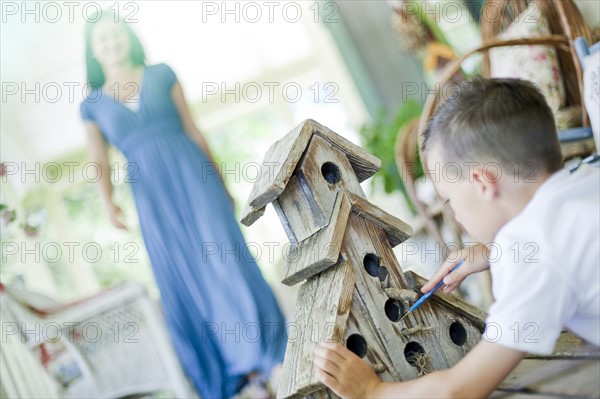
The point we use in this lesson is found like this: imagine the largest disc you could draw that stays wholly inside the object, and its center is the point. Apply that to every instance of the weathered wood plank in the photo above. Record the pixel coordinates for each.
(323, 394)
(363, 163)
(321, 313)
(322, 249)
(367, 315)
(319, 154)
(298, 210)
(508, 394)
(278, 165)
(284, 222)
(556, 377)
(580, 380)
(384, 354)
(395, 229)
(569, 346)
(249, 215)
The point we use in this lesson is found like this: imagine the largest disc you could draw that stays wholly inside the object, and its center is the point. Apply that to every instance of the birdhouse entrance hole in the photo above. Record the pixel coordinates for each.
(371, 263)
(331, 172)
(458, 334)
(411, 351)
(393, 309)
(357, 344)
(415, 356)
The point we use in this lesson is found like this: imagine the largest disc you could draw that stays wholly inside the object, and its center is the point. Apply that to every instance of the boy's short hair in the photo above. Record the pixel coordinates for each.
(507, 121)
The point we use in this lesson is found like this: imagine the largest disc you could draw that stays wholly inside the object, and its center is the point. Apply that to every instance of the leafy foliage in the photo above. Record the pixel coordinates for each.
(380, 139)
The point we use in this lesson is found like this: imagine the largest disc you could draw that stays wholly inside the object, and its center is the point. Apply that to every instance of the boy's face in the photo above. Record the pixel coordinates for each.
(473, 198)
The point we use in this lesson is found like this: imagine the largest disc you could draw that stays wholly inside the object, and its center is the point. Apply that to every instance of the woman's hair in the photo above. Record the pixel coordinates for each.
(95, 74)
(503, 120)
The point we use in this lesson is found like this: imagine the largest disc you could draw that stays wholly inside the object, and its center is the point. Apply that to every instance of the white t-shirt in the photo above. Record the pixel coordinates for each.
(545, 266)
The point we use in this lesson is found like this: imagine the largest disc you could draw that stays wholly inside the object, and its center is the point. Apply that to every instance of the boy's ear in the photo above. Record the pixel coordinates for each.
(486, 180)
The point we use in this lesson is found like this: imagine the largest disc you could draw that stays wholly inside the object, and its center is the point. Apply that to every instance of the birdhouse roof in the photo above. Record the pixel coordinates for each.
(303, 262)
(283, 156)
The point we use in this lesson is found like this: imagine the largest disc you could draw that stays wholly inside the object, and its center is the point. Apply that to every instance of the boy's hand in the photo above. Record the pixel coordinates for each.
(476, 260)
(343, 372)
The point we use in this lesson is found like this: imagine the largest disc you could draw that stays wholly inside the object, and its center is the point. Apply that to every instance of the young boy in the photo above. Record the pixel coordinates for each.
(541, 221)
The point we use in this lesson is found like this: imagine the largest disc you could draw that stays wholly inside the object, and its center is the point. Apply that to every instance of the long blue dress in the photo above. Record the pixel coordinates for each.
(222, 315)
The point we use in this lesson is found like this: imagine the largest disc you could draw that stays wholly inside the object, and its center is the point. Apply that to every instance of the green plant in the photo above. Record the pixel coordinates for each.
(380, 138)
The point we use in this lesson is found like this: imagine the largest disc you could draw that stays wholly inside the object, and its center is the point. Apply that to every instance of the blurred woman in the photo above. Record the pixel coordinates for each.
(223, 317)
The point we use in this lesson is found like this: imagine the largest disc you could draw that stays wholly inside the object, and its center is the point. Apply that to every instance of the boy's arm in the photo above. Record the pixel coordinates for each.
(476, 259)
(475, 376)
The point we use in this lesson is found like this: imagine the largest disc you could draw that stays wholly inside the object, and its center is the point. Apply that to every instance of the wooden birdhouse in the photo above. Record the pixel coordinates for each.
(353, 288)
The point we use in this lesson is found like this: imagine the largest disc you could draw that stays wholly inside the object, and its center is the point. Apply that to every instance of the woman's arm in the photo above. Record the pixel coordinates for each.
(99, 153)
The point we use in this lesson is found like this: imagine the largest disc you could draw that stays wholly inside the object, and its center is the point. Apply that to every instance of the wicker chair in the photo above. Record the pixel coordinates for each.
(110, 345)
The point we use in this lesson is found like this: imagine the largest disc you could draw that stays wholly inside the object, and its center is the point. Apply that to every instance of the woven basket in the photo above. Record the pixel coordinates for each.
(563, 18)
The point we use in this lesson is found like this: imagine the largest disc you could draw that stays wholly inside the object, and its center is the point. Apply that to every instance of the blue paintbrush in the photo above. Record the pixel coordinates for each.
(430, 293)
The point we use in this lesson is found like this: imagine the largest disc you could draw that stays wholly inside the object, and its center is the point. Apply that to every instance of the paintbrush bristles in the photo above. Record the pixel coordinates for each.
(405, 314)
